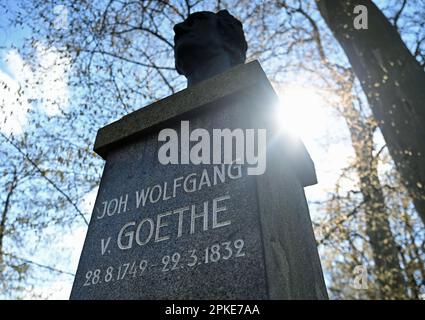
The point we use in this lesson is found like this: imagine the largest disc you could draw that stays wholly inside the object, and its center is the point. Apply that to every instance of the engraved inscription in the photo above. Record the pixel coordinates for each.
(169, 262)
(147, 227)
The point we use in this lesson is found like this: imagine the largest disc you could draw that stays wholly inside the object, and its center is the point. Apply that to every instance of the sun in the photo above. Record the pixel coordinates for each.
(302, 112)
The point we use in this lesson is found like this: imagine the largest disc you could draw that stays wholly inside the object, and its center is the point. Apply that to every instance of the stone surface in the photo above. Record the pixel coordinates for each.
(260, 245)
(204, 93)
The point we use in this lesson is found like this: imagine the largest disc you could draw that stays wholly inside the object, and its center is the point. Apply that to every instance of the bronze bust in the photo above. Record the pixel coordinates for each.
(208, 43)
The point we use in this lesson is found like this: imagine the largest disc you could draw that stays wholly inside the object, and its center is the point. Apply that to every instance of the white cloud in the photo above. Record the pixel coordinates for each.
(71, 244)
(52, 79)
(13, 107)
(41, 85)
(63, 253)
(57, 290)
(74, 242)
(88, 200)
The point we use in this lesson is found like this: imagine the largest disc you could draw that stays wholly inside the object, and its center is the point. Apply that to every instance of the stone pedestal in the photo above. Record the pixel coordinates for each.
(201, 231)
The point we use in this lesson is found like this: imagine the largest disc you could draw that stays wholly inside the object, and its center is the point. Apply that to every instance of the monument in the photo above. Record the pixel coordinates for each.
(202, 194)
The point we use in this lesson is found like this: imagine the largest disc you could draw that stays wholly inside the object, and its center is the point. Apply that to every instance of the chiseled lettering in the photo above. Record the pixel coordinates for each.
(203, 215)
(216, 209)
(160, 225)
(128, 236)
(141, 197)
(150, 234)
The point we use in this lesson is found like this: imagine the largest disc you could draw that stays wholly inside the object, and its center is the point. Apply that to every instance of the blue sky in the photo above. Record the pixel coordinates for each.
(10, 36)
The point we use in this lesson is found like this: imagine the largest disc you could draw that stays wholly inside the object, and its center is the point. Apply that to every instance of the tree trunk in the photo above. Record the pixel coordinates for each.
(384, 247)
(5, 210)
(394, 83)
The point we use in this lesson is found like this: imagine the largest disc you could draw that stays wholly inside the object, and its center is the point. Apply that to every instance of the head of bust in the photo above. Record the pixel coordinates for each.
(208, 43)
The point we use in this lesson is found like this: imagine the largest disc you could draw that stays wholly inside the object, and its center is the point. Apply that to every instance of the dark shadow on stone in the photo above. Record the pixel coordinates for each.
(208, 43)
